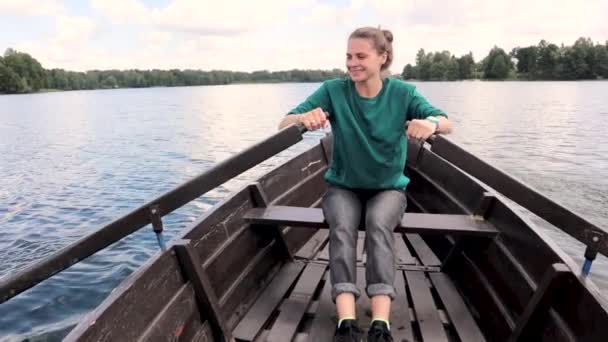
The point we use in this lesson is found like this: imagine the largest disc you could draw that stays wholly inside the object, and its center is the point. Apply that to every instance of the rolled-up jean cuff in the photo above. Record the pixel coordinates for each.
(344, 287)
(380, 289)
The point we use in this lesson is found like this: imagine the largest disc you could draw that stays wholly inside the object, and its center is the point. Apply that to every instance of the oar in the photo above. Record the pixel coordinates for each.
(565, 219)
(150, 212)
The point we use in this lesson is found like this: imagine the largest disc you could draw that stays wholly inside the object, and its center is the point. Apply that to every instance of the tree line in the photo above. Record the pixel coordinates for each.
(21, 73)
(584, 60)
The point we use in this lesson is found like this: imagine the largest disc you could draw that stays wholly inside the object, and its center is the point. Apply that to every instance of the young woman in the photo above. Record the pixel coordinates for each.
(366, 183)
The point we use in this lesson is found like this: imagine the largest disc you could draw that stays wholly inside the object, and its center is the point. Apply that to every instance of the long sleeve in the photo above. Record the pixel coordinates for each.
(419, 107)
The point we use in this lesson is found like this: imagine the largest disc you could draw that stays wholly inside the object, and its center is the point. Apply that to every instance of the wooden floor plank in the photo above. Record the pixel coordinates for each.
(324, 323)
(402, 253)
(324, 254)
(268, 301)
(313, 245)
(363, 304)
(360, 246)
(457, 311)
(401, 325)
(425, 308)
(294, 308)
(284, 328)
(425, 254)
(262, 336)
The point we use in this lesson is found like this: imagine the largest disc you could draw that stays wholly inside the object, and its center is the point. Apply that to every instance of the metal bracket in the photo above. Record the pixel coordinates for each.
(157, 225)
(597, 238)
(485, 206)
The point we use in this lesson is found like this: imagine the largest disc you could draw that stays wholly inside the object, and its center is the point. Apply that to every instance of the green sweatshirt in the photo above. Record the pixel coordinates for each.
(370, 144)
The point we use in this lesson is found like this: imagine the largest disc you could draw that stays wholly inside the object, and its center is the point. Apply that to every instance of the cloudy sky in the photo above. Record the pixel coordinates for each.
(278, 34)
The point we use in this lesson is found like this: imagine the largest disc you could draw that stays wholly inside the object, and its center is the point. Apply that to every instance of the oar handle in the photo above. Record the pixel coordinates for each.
(430, 139)
(303, 128)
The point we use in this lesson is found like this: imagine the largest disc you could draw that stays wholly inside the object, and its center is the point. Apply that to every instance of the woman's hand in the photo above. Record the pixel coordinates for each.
(420, 129)
(314, 119)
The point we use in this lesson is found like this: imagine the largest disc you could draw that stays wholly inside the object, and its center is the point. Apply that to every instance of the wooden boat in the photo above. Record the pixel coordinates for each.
(255, 267)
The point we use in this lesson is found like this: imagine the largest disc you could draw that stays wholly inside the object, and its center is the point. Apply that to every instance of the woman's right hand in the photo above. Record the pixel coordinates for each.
(314, 119)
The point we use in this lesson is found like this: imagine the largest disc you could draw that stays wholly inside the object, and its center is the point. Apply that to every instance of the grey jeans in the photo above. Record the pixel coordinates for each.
(380, 211)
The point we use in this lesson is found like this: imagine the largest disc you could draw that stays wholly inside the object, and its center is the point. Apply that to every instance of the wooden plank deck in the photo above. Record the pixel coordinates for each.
(428, 307)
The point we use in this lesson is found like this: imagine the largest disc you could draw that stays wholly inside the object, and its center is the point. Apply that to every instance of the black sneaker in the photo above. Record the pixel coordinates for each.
(348, 331)
(379, 332)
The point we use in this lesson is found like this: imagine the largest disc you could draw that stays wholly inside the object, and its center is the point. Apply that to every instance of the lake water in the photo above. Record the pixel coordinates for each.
(73, 161)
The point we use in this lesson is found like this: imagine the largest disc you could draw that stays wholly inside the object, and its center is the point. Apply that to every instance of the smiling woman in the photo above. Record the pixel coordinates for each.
(368, 113)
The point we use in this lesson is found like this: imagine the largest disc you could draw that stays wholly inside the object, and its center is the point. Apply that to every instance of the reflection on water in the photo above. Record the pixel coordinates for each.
(71, 162)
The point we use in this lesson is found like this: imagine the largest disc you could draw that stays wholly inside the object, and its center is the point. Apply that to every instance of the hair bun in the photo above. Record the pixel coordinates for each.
(388, 35)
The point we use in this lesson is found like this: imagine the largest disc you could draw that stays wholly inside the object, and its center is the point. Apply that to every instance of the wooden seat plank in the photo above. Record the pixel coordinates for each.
(410, 222)
(258, 314)
(294, 308)
(425, 308)
(457, 311)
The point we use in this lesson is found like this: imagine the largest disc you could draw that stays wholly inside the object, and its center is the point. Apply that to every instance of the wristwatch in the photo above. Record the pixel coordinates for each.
(434, 120)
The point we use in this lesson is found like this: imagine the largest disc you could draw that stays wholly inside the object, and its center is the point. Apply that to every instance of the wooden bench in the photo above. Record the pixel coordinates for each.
(410, 223)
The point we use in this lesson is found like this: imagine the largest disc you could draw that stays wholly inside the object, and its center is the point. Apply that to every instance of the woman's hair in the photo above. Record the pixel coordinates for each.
(382, 41)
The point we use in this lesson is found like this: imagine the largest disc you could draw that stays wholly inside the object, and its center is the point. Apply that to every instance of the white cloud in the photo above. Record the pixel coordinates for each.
(326, 14)
(31, 7)
(272, 34)
(392, 8)
(225, 17)
(74, 30)
(72, 34)
(222, 17)
(122, 11)
(466, 25)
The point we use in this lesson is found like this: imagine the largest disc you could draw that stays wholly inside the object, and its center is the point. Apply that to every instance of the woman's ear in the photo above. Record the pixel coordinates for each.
(384, 57)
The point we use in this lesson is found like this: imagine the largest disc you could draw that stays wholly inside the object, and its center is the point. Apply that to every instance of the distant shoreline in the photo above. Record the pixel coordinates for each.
(45, 91)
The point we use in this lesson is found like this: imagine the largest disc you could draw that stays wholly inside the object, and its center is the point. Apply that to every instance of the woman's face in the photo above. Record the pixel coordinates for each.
(362, 60)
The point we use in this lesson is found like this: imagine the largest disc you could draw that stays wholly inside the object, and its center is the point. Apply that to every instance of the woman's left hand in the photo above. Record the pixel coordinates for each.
(420, 129)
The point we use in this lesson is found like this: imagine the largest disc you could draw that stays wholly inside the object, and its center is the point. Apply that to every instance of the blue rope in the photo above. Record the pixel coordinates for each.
(587, 267)
(161, 241)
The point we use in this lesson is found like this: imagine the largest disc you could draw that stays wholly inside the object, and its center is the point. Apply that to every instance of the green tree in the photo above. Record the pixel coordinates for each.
(452, 71)
(92, 80)
(29, 69)
(526, 59)
(10, 82)
(423, 64)
(601, 57)
(409, 72)
(547, 61)
(497, 64)
(576, 62)
(109, 82)
(466, 66)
